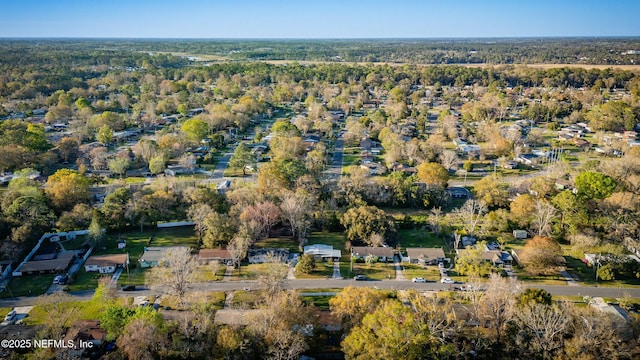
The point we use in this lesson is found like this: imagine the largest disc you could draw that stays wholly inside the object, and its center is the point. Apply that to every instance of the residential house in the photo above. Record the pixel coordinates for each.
(154, 255)
(323, 252)
(425, 256)
(58, 264)
(106, 264)
(87, 331)
(381, 253)
(527, 159)
(206, 256)
(458, 192)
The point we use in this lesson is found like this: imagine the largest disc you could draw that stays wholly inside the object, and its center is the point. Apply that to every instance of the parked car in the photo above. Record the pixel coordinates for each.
(60, 279)
(419, 280)
(10, 315)
(359, 278)
(129, 288)
(447, 281)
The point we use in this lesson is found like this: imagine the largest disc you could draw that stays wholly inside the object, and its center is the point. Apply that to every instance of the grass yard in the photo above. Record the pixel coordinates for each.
(375, 271)
(74, 244)
(229, 172)
(246, 299)
(251, 271)
(283, 242)
(321, 302)
(335, 239)
(321, 270)
(419, 238)
(84, 310)
(28, 285)
(206, 272)
(215, 299)
(431, 273)
(4, 311)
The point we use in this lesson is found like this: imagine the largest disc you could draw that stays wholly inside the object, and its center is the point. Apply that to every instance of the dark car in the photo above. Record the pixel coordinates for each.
(129, 288)
(359, 278)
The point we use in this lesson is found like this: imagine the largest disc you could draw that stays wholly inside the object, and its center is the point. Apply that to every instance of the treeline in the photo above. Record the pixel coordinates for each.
(607, 51)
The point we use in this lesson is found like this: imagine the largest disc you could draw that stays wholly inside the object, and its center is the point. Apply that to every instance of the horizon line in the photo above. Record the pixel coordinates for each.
(528, 37)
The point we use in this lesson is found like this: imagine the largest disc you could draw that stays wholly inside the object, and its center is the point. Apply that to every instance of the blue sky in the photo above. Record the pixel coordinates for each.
(318, 19)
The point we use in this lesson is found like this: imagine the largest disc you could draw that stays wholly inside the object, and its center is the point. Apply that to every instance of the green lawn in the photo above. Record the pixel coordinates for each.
(321, 302)
(215, 299)
(335, 239)
(419, 238)
(28, 285)
(283, 242)
(376, 271)
(247, 299)
(251, 271)
(321, 270)
(74, 244)
(84, 310)
(431, 273)
(4, 311)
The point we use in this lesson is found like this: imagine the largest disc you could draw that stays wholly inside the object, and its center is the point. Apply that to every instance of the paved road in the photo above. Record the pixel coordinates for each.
(342, 283)
(223, 164)
(335, 169)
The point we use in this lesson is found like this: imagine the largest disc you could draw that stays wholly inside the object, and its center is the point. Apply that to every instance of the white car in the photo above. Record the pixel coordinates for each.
(419, 280)
(447, 281)
(12, 314)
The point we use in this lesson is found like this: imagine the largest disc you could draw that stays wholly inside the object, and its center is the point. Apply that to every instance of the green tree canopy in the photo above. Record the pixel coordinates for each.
(594, 185)
(363, 221)
(392, 331)
(196, 129)
(67, 188)
(242, 157)
(433, 174)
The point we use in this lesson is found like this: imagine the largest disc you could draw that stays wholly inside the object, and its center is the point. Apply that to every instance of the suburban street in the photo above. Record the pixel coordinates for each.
(223, 163)
(302, 284)
(335, 168)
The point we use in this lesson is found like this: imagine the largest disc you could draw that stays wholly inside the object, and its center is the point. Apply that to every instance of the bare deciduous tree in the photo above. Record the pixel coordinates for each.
(435, 312)
(546, 325)
(294, 209)
(470, 214)
(499, 301)
(542, 217)
(239, 246)
(198, 213)
(175, 272)
(449, 159)
(273, 275)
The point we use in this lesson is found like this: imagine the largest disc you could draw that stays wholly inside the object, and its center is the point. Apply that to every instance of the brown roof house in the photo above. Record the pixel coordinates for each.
(56, 265)
(382, 253)
(425, 256)
(87, 331)
(206, 256)
(106, 264)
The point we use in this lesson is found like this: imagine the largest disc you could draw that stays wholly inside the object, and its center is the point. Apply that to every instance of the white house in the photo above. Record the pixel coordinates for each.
(323, 252)
(106, 264)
